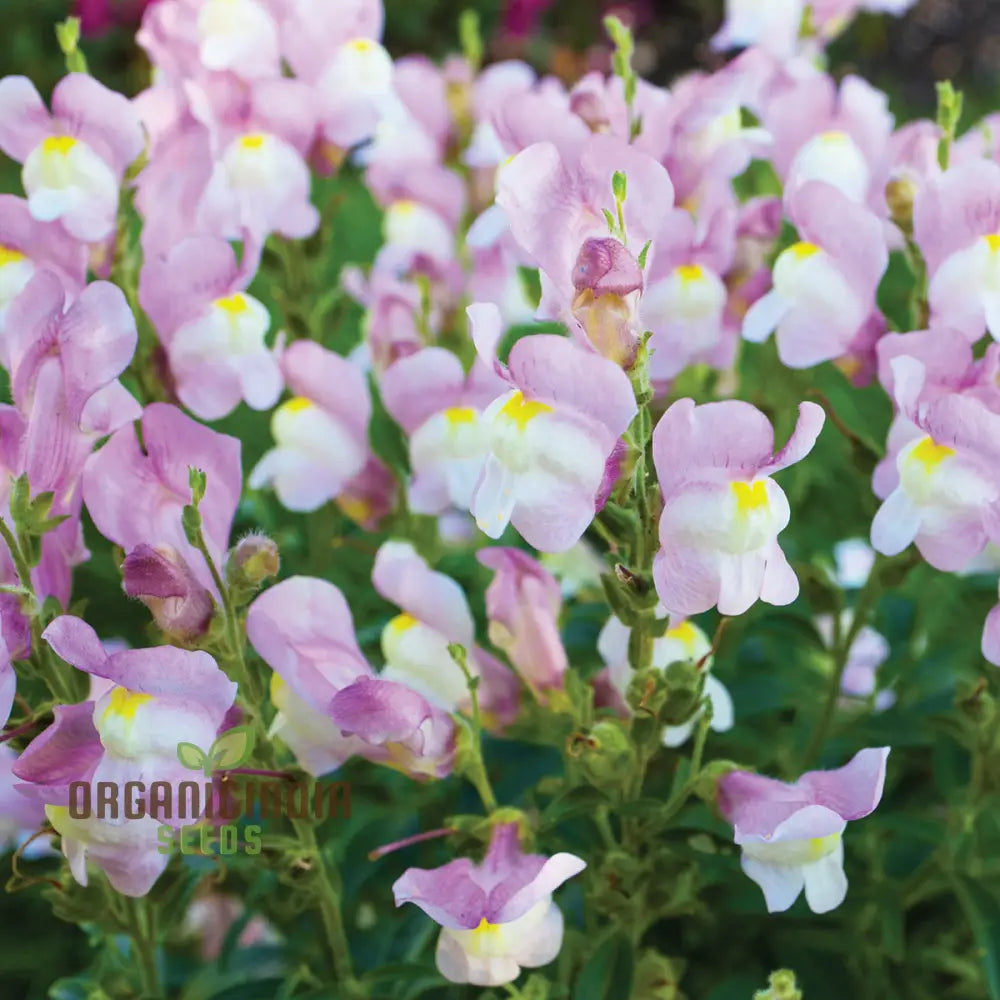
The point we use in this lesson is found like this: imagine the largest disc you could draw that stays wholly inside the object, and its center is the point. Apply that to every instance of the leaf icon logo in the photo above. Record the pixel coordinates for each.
(231, 749)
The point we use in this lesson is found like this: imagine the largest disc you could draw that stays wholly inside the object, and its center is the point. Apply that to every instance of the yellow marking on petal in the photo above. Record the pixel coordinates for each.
(833, 136)
(253, 141)
(361, 45)
(820, 847)
(60, 144)
(691, 272)
(57, 816)
(233, 304)
(278, 687)
(803, 250)
(460, 415)
(993, 242)
(402, 623)
(685, 632)
(356, 508)
(930, 454)
(522, 411)
(749, 496)
(125, 703)
(297, 404)
(8, 255)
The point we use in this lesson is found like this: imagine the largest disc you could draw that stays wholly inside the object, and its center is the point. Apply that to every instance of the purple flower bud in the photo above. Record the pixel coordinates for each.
(591, 108)
(605, 267)
(162, 580)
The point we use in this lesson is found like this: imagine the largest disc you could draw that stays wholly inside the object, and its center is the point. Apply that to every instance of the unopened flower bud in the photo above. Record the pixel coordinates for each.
(685, 683)
(160, 578)
(589, 106)
(899, 195)
(255, 559)
(605, 267)
(606, 754)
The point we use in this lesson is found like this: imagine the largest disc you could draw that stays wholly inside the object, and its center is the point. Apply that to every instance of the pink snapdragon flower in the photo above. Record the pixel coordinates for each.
(75, 159)
(136, 495)
(553, 437)
(435, 612)
(213, 331)
(69, 751)
(722, 511)
(554, 198)
(837, 135)
(949, 368)
(825, 284)
(496, 917)
(330, 703)
(956, 223)
(681, 640)
(321, 433)
(867, 653)
(159, 697)
(947, 473)
(523, 604)
(440, 407)
(27, 246)
(791, 835)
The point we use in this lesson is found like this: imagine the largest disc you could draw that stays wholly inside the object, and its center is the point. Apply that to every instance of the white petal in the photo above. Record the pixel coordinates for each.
(781, 884)
(826, 883)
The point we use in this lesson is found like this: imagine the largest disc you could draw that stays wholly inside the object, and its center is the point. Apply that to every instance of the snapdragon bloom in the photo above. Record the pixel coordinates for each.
(27, 245)
(321, 433)
(74, 160)
(136, 495)
(722, 511)
(947, 479)
(213, 331)
(825, 284)
(791, 834)
(158, 697)
(553, 436)
(956, 223)
(331, 705)
(435, 613)
(440, 407)
(496, 917)
(69, 751)
(523, 604)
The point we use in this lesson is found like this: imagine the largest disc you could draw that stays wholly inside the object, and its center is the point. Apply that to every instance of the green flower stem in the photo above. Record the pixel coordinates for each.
(867, 600)
(327, 889)
(49, 671)
(475, 767)
(326, 886)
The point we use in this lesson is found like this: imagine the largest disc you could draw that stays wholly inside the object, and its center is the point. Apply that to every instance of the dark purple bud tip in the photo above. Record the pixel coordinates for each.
(605, 267)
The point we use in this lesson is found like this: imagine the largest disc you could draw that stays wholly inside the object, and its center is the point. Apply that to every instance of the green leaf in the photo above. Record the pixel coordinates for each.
(982, 910)
(191, 756)
(610, 219)
(233, 748)
(643, 252)
(609, 972)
